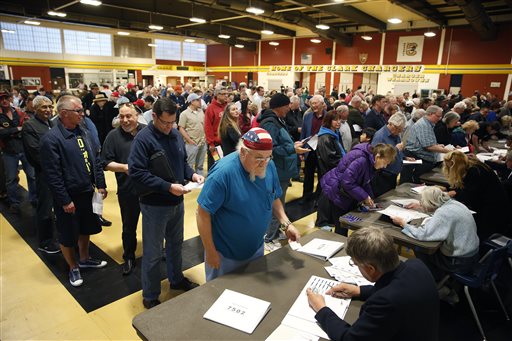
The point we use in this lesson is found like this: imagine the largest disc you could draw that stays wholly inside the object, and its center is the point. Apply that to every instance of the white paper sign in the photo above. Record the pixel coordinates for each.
(97, 203)
(410, 49)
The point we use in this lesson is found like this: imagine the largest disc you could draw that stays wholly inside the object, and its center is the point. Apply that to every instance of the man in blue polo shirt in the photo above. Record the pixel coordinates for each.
(236, 205)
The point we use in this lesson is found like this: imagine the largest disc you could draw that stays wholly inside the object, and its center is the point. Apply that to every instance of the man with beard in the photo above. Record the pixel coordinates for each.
(114, 154)
(231, 222)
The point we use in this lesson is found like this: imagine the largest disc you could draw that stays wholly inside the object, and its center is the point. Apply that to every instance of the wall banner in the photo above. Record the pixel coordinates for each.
(347, 68)
(410, 49)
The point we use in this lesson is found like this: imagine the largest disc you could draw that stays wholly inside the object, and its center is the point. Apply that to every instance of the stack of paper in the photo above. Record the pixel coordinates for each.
(313, 142)
(405, 202)
(342, 271)
(238, 311)
(302, 317)
(193, 185)
(321, 248)
(407, 215)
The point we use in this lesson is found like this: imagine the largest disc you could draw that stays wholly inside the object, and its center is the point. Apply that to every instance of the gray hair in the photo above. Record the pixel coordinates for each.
(370, 245)
(64, 102)
(40, 100)
(218, 89)
(433, 109)
(355, 99)
(450, 117)
(398, 119)
(460, 105)
(319, 98)
(294, 99)
(341, 108)
(418, 113)
(432, 197)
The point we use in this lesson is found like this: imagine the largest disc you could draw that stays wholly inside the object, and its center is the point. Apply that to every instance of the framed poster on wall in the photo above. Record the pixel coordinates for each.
(31, 81)
(410, 49)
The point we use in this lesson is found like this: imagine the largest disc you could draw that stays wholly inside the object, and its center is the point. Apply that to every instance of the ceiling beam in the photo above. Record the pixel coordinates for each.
(346, 12)
(256, 25)
(423, 9)
(478, 18)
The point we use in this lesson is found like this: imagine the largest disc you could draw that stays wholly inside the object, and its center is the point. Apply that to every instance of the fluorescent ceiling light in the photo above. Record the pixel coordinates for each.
(339, 1)
(394, 21)
(197, 20)
(190, 40)
(91, 2)
(366, 37)
(255, 10)
(316, 41)
(57, 14)
(429, 34)
(201, 50)
(155, 27)
(268, 32)
(274, 43)
(123, 33)
(4, 30)
(152, 45)
(322, 27)
(240, 46)
(224, 36)
(32, 22)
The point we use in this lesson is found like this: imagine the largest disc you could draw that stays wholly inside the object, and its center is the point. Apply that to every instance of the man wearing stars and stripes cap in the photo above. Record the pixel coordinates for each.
(236, 204)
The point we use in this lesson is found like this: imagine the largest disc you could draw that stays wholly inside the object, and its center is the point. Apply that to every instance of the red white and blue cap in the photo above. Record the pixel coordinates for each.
(257, 139)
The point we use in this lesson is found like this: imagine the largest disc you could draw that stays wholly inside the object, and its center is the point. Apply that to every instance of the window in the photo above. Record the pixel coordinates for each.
(193, 52)
(87, 43)
(19, 37)
(167, 49)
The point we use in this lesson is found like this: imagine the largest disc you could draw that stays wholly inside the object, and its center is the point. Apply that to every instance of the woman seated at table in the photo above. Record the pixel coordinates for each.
(445, 127)
(453, 224)
(462, 136)
(347, 185)
(229, 130)
(475, 184)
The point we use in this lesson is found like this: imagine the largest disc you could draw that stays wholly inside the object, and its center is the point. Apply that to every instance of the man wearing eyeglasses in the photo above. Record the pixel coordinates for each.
(73, 170)
(33, 131)
(212, 118)
(158, 163)
(11, 146)
(232, 222)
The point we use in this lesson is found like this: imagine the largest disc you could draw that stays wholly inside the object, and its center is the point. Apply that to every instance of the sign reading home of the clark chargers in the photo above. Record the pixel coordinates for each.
(347, 68)
(410, 49)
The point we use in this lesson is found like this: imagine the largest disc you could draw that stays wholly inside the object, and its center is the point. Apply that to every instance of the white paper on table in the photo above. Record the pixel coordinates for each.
(485, 156)
(415, 162)
(193, 185)
(357, 128)
(294, 245)
(405, 202)
(321, 248)
(499, 152)
(283, 333)
(464, 149)
(407, 215)
(345, 277)
(313, 142)
(305, 326)
(418, 189)
(238, 311)
(97, 203)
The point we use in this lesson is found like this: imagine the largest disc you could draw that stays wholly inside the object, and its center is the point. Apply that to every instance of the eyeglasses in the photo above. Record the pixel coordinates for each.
(166, 123)
(78, 111)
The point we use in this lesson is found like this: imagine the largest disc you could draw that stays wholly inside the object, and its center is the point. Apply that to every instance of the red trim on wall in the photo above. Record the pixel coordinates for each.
(217, 55)
(187, 63)
(350, 55)
(328, 83)
(242, 57)
(276, 55)
(470, 83)
(358, 80)
(430, 47)
(311, 86)
(42, 72)
(167, 62)
(318, 51)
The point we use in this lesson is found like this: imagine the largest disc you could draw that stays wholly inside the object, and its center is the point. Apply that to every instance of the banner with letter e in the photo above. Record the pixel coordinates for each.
(410, 49)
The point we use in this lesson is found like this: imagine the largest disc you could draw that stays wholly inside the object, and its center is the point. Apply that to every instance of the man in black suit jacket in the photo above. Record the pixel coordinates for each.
(375, 118)
(402, 305)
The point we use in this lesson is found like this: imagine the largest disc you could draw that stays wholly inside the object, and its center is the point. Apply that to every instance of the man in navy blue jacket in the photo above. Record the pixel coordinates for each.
(72, 167)
(375, 119)
(402, 305)
(162, 202)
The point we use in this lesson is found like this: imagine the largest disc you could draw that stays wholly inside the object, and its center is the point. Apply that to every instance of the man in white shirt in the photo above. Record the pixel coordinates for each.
(257, 98)
(346, 135)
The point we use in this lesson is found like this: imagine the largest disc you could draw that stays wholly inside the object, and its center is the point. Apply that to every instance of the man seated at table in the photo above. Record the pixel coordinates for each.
(236, 205)
(402, 305)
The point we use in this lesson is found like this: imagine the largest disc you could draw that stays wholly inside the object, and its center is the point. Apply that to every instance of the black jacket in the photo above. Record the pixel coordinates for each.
(64, 167)
(10, 136)
(374, 120)
(33, 131)
(443, 134)
(328, 152)
(293, 122)
(403, 305)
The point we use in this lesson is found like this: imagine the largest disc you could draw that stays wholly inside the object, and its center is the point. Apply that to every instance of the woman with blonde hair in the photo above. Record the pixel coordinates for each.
(475, 184)
(229, 130)
(462, 136)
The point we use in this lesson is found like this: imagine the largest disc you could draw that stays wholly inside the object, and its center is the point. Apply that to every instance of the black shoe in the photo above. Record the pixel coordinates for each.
(128, 266)
(184, 285)
(104, 222)
(148, 304)
(49, 247)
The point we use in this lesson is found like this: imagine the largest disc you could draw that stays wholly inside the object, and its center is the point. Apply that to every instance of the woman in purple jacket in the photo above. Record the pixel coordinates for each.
(347, 185)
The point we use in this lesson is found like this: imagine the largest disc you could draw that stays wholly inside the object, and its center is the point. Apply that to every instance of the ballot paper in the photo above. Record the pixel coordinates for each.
(418, 189)
(407, 215)
(486, 156)
(415, 162)
(301, 316)
(405, 202)
(464, 149)
(238, 311)
(313, 142)
(284, 332)
(97, 203)
(321, 248)
(357, 128)
(193, 185)
(342, 271)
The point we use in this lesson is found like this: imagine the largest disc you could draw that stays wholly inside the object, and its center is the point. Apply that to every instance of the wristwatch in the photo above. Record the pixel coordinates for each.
(284, 226)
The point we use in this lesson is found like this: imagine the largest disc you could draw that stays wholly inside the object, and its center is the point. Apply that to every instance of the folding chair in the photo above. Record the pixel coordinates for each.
(497, 240)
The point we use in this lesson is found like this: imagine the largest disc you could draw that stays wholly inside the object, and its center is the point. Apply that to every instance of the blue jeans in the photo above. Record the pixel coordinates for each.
(11, 162)
(273, 229)
(228, 265)
(159, 223)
